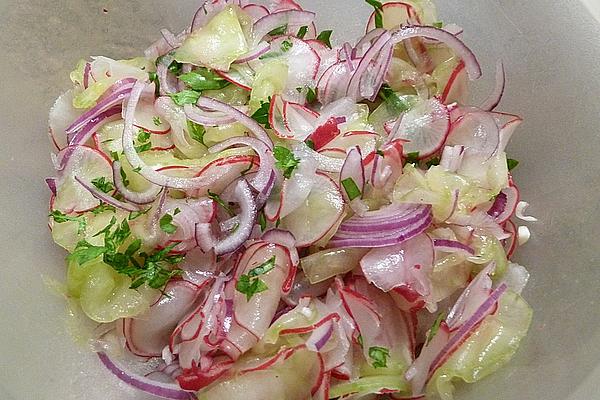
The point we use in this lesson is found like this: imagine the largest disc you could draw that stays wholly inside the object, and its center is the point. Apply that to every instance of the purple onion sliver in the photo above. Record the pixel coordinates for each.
(92, 126)
(86, 75)
(499, 205)
(164, 390)
(391, 224)
(261, 49)
(452, 246)
(467, 327)
(51, 182)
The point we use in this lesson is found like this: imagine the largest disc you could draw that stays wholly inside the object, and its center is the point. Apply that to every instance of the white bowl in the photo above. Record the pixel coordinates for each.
(552, 53)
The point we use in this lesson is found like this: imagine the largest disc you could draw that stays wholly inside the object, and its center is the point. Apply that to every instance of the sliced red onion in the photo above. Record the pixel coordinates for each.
(467, 328)
(505, 204)
(168, 84)
(51, 182)
(97, 193)
(471, 63)
(82, 136)
(280, 18)
(239, 116)
(207, 118)
(393, 225)
(481, 221)
(365, 42)
(164, 390)
(256, 11)
(86, 75)
(134, 197)
(170, 38)
(353, 88)
(452, 246)
(347, 48)
(418, 55)
(496, 96)
(262, 178)
(247, 215)
(260, 49)
(320, 336)
(378, 76)
(112, 97)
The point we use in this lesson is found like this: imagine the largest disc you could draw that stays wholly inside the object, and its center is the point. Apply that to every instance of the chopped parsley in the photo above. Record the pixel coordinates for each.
(311, 95)
(102, 208)
(114, 155)
(438, 24)
(196, 131)
(412, 158)
(351, 188)
(512, 164)
(325, 38)
(175, 67)
(60, 218)
(204, 79)
(154, 269)
(103, 184)
(143, 136)
(285, 160)
(185, 97)
(302, 32)
(262, 221)
(395, 103)
(286, 45)
(124, 177)
(143, 147)
(136, 214)
(166, 224)
(378, 12)
(153, 77)
(250, 284)
(310, 144)
(433, 162)
(262, 114)
(156, 120)
(434, 328)
(217, 199)
(279, 31)
(379, 355)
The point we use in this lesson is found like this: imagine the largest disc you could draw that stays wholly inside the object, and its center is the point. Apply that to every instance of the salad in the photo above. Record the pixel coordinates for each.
(251, 212)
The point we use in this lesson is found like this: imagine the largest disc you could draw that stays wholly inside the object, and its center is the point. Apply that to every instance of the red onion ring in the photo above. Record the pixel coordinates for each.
(107, 198)
(496, 96)
(170, 38)
(134, 197)
(248, 213)
(164, 390)
(259, 50)
(267, 162)
(471, 63)
(206, 118)
(82, 136)
(452, 246)
(280, 18)
(353, 88)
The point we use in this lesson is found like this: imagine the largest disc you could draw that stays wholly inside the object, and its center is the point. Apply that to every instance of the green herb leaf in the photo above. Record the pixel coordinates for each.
(325, 38)
(166, 224)
(379, 356)
(153, 77)
(124, 177)
(286, 45)
(114, 155)
(263, 268)
(60, 218)
(250, 287)
(279, 31)
(204, 79)
(380, 153)
(175, 67)
(103, 184)
(310, 144)
(143, 147)
(311, 95)
(156, 121)
(395, 103)
(512, 164)
(433, 162)
(262, 114)
(438, 24)
(217, 199)
(102, 208)
(302, 32)
(351, 188)
(360, 341)
(435, 328)
(262, 221)
(143, 136)
(378, 12)
(85, 252)
(285, 160)
(185, 97)
(412, 158)
(136, 214)
(196, 131)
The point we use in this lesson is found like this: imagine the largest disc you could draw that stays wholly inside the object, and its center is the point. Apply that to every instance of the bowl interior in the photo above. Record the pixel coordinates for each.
(552, 53)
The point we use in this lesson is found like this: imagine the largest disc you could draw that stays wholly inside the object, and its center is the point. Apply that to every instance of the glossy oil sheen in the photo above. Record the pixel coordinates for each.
(552, 53)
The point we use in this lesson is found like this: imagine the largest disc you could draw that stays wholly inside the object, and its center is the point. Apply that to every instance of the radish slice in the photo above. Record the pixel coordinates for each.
(394, 15)
(291, 120)
(320, 212)
(256, 11)
(86, 164)
(457, 87)
(424, 128)
(303, 63)
(148, 334)
(147, 118)
(486, 141)
(62, 114)
(240, 75)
